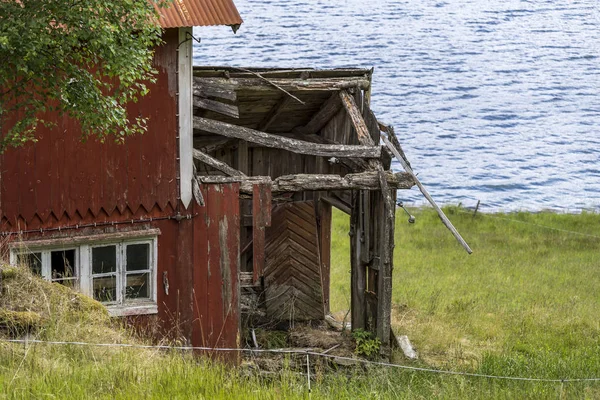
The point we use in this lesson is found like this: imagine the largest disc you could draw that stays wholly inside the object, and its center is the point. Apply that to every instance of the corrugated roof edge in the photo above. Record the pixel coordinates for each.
(186, 13)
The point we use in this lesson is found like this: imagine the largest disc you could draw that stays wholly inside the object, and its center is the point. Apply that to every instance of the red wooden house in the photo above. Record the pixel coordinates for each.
(224, 206)
(118, 221)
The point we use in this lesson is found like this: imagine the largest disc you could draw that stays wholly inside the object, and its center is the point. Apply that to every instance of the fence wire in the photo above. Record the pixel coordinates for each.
(302, 352)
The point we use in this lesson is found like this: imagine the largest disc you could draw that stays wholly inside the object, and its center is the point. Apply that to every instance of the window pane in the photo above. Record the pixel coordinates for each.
(137, 286)
(62, 264)
(104, 259)
(31, 260)
(105, 289)
(138, 257)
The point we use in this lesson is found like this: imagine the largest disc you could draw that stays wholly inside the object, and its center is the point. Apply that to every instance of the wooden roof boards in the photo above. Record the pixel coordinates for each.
(185, 13)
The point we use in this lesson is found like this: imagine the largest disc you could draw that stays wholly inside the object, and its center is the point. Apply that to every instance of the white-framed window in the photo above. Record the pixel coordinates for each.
(118, 273)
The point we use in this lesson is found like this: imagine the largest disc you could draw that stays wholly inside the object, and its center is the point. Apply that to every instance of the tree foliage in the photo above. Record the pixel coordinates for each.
(83, 58)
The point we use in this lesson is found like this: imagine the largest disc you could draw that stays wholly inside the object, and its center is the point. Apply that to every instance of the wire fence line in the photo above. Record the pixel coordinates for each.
(301, 352)
(532, 224)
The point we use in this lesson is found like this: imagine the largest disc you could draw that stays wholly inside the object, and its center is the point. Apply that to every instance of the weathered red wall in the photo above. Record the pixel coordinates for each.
(58, 175)
(61, 182)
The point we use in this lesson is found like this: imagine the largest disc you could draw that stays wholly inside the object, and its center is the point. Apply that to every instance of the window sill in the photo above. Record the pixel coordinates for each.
(133, 309)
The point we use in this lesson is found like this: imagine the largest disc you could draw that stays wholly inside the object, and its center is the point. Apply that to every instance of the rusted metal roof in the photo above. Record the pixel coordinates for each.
(182, 13)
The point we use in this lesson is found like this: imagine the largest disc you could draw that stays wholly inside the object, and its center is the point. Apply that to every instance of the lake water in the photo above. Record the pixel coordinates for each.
(493, 100)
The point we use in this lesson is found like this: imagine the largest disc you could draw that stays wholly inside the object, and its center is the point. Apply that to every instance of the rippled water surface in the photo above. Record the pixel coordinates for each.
(494, 100)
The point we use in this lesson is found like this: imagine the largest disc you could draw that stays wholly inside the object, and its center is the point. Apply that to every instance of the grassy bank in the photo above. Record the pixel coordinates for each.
(524, 304)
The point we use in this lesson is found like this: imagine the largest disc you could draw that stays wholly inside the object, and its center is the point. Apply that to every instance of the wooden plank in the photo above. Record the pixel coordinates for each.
(203, 88)
(213, 162)
(403, 161)
(367, 180)
(218, 107)
(323, 116)
(324, 223)
(335, 202)
(261, 214)
(275, 111)
(242, 156)
(280, 142)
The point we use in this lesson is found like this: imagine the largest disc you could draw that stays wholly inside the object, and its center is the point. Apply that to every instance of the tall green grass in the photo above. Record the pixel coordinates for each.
(524, 304)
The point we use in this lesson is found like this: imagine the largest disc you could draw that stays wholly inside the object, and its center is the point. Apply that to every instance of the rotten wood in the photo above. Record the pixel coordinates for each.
(290, 85)
(368, 180)
(280, 142)
(242, 156)
(270, 82)
(212, 144)
(218, 107)
(216, 164)
(358, 274)
(323, 116)
(404, 162)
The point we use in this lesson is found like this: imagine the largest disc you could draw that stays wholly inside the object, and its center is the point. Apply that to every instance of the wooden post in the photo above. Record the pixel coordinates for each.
(358, 282)
(261, 217)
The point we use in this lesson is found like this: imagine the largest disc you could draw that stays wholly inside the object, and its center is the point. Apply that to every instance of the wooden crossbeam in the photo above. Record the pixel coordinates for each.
(368, 180)
(219, 165)
(323, 116)
(216, 106)
(292, 85)
(280, 142)
(274, 113)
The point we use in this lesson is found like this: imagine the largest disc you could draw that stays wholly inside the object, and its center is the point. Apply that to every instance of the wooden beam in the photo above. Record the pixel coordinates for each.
(384, 276)
(219, 165)
(332, 201)
(368, 180)
(280, 142)
(323, 116)
(218, 107)
(274, 113)
(404, 162)
(292, 85)
(358, 281)
(356, 117)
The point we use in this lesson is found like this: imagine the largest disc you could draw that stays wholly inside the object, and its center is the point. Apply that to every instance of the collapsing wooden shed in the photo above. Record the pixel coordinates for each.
(299, 142)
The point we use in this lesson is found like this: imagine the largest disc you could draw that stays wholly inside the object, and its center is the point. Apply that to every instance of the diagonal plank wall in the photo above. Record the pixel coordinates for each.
(293, 285)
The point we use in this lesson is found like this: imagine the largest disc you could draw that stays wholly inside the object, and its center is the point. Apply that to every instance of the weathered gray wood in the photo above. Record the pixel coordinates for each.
(323, 116)
(368, 180)
(386, 242)
(404, 162)
(219, 165)
(277, 109)
(218, 107)
(355, 115)
(280, 142)
(291, 85)
(358, 309)
(212, 143)
(270, 82)
(205, 89)
(242, 156)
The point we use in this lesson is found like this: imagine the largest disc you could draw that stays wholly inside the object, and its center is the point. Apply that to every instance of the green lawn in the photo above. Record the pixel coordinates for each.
(525, 303)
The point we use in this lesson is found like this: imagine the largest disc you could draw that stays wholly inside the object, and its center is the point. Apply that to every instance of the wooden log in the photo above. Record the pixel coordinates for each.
(280, 142)
(404, 162)
(277, 109)
(213, 162)
(292, 85)
(218, 107)
(323, 116)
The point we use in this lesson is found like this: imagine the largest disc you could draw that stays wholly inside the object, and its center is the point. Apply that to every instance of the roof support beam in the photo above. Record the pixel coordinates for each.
(323, 116)
(291, 85)
(280, 142)
(216, 164)
(274, 113)
(369, 180)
